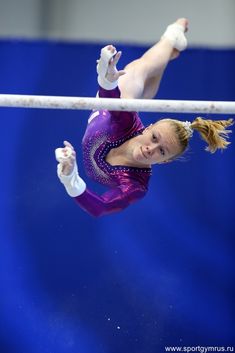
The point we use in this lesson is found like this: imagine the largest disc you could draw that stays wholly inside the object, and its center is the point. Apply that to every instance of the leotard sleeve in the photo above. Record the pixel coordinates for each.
(130, 119)
(113, 200)
(113, 93)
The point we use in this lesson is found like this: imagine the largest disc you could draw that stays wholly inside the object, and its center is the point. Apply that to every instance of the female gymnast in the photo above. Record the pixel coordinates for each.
(118, 150)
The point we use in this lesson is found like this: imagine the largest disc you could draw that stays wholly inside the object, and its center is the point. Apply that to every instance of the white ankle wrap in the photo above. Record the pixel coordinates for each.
(176, 35)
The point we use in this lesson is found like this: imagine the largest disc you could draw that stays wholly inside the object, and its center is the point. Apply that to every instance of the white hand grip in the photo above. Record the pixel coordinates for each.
(59, 154)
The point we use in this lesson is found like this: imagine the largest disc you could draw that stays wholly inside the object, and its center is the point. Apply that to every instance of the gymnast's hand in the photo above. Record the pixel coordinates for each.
(106, 67)
(66, 157)
(112, 73)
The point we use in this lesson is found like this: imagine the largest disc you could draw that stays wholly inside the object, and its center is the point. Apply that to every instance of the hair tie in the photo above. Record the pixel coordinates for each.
(187, 125)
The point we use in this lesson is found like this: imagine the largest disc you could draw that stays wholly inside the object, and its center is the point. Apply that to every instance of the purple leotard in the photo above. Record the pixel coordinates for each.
(107, 130)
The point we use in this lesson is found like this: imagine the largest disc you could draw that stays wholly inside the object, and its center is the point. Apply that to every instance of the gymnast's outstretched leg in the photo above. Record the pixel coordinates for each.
(143, 76)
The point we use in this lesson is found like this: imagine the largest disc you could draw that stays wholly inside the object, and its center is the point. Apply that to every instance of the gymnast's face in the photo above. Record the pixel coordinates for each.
(157, 144)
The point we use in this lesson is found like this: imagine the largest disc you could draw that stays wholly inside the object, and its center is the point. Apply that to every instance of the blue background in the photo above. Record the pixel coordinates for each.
(159, 273)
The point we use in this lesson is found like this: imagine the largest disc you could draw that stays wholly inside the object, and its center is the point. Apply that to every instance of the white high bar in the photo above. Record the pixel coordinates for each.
(141, 105)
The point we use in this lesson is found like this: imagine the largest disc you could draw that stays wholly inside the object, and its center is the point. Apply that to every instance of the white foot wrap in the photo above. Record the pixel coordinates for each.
(102, 68)
(176, 35)
(73, 183)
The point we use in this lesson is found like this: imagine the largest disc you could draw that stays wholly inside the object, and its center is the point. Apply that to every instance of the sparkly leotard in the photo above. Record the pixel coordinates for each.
(107, 130)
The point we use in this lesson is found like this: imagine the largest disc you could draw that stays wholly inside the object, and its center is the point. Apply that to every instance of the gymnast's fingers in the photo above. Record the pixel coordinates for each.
(68, 144)
(73, 156)
(111, 48)
(121, 73)
(116, 58)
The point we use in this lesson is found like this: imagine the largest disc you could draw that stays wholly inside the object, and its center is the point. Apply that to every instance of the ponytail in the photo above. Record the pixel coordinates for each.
(213, 132)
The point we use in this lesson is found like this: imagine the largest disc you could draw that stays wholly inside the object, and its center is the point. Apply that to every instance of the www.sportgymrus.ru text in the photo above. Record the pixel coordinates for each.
(200, 349)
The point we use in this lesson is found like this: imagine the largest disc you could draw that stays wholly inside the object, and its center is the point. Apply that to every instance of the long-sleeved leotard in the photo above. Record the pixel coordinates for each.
(107, 130)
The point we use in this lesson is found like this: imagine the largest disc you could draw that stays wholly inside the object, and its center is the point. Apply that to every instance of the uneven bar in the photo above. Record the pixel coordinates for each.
(140, 105)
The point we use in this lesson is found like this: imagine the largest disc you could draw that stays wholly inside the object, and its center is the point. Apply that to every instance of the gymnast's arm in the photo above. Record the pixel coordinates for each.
(114, 200)
(108, 74)
(111, 201)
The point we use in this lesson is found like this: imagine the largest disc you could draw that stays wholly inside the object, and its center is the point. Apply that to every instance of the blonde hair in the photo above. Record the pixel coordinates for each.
(213, 132)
